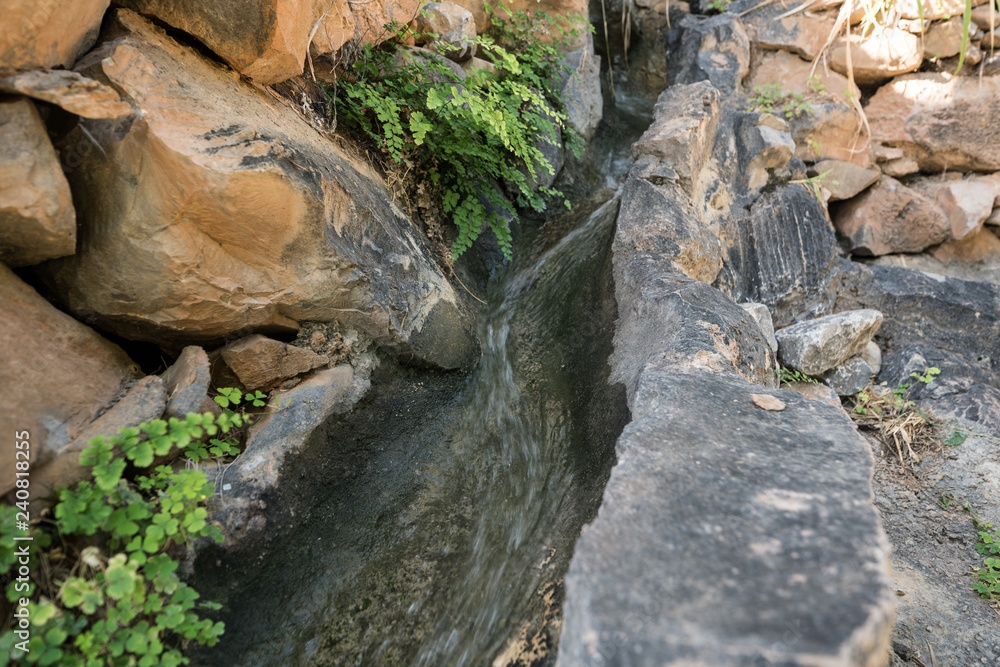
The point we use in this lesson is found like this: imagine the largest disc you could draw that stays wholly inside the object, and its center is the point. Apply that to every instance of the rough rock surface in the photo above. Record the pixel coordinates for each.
(967, 202)
(61, 377)
(872, 355)
(762, 315)
(850, 377)
(187, 382)
(816, 346)
(783, 256)
(941, 122)
(816, 391)
(714, 49)
(877, 58)
(144, 402)
(802, 35)
(267, 41)
(69, 90)
(891, 217)
(812, 544)
(452, 30)
(581, 89)
(682, 134)
(944, 38)
(48, 33)
(259, 361)
(765, 145)
(216, 210)
(273, 439)
(844, 180)
(37, 219)
(958, 316)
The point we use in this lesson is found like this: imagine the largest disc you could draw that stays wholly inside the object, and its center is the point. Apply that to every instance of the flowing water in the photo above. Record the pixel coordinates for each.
(445, 508)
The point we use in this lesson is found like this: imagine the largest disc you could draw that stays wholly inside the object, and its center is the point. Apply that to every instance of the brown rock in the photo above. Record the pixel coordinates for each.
(816, 392)
(143, 403)
(934, 9)
(447, 29)
(259, 361)
(986, 16)
(69, 90)
(48, 33)
(558, 8)
(58, 374)
(886, 153)
(980, 246)
(879, 57)
(844, 180)
(942, 122)
(967, 203)
(944, 39)
(218, 210)
(267, 41)
(832, 128)
(37, 220)
(891, 217)
(767, 402)
(187, 382)
(803, 34)
(994, 219)
(901, 167)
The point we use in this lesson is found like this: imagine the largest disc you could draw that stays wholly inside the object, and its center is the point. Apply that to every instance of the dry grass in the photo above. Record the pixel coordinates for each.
(905, 431)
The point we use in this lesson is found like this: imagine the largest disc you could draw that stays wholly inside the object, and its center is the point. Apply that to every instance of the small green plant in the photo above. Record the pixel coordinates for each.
(814, 185)
(956, 439)
(104, 587)
(788, 376)
(987, 578)
(465, 139)
(719, 5)
(770, 98)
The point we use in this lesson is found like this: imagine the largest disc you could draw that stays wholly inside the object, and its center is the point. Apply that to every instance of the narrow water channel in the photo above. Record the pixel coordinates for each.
(447, 507)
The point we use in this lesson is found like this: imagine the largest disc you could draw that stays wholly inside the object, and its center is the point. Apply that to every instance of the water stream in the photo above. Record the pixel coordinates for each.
(447, 507)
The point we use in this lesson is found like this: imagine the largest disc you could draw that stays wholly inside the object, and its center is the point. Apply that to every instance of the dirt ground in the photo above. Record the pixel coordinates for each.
(940, 621)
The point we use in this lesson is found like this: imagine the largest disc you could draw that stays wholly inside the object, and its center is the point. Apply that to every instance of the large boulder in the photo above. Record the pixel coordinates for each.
(216, 210)
(731, 535)
(48, 33)
(714, 49)
(803, 34)
(817, 346)
(59, 374)
(940, 121)
(891, 217)
(878, 57)
(37, 219)
(267, 41)
(581, 89)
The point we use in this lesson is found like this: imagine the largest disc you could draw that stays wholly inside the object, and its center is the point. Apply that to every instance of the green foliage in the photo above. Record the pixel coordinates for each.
(956, 439)
(788, 376)
(987, 582)
(770, 98)
(466, 139)
(122, 602)
(719, 5)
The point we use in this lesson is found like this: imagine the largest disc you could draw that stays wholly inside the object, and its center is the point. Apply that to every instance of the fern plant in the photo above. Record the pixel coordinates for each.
(465, 139)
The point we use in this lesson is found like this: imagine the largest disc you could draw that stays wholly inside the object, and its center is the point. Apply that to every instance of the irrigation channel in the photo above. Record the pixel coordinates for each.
(446, 507)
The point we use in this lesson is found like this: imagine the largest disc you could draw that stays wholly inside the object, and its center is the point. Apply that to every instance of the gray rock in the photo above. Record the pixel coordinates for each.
(816, 346)
(187, 382)
(581, 89)
(714, 49)
(256, 473)
(850, 377)
(816, 391)
(782, 255)
(682, 134)
(872, 355)
(144, 402)
(762, 315)
(957, 316)
(765, 144)
(750, 541)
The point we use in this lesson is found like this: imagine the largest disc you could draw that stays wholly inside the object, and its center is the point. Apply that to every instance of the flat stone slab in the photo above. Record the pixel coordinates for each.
(746, 539)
